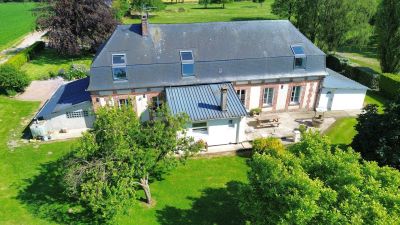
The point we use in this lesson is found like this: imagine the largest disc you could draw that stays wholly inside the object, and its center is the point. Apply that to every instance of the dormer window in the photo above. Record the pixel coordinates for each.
(299, 57)
(119, 66)
(187, 61)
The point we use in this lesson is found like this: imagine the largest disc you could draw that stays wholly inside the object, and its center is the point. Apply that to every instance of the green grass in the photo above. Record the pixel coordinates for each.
(194, 13)
(49, 61)
(342, 131)
(203, 191)
(374, 98)
(16, 20)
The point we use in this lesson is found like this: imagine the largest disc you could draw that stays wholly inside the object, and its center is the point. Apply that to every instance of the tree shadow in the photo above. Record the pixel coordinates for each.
(46, 198)
(215, 206)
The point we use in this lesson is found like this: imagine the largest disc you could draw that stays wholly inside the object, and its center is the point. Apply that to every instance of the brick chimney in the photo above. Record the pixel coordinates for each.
(224, 98)
(145, 27)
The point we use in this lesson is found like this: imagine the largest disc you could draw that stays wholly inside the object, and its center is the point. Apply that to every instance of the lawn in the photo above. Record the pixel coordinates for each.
(16, 20)
(343, 131)
(203, 191)
(49, 61)
(194, 13)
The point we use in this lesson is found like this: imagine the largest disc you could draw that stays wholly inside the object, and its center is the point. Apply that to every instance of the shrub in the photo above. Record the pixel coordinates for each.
(25, 55)
(75, 72)
(268, 145)
(302, 129)
(12, 80)
(255, 111)
(390, 85)
(314, 182)
(363, 75)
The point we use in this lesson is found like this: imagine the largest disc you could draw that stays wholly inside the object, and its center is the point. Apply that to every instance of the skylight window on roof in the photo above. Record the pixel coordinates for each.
(298, 50)
(186, 56)
(299, 57)
(118, 59)
(187, 62)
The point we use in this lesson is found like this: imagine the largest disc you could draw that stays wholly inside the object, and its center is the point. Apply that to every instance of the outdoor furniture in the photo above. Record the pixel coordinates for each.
(268, 121)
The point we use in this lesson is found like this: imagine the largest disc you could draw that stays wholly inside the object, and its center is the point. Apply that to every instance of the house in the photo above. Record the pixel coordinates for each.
(341, 93)
(214, 72)
(268, 64)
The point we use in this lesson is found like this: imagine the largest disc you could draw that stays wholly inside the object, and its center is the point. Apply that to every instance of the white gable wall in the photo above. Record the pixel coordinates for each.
(342, 99)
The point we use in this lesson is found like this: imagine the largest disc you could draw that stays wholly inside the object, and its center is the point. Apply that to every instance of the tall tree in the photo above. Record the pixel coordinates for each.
(329, 23)
(74, 25)
(121, 155)
(313, 182)
(120, 8)
(388, 31)
(378, 135)
(284, 8)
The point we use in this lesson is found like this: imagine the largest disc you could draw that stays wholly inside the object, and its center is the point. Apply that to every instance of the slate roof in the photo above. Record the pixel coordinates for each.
(66, 95)
(223, 52)
(202, 102)
(336, 80)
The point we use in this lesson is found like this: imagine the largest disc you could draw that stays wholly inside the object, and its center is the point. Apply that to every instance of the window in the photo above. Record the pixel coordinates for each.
(268, 97)
(200, 127)
(187, 61)
(119, 66)
(123, 103)
(77, 114)
(157, 102)
(295, 96)
(299, 57)
(242, 96)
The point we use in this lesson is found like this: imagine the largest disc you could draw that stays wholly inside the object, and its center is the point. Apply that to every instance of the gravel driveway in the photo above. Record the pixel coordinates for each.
(41, 90)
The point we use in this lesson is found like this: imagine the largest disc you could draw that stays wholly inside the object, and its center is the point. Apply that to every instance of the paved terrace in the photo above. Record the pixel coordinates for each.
(289, 121)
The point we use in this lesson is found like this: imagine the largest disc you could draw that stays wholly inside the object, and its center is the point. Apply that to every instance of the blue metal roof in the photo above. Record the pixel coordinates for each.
(67, 95)
(202, 102)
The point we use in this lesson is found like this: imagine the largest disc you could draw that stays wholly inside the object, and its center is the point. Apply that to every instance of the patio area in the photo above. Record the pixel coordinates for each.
(286, 122)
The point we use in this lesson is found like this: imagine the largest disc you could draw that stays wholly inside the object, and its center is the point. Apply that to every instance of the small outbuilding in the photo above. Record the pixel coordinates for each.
(216, 113)
(67, 111)
(341, 93)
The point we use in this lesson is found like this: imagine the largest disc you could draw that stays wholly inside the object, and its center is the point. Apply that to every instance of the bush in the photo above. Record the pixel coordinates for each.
(362, 75)
(268, 145)
(255, 111)
(25, 55)
(12, 80)
(314, 182)
(390, 85)
(75, 72)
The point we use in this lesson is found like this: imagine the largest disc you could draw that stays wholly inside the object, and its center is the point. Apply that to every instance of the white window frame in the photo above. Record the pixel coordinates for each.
(240, 95)
(200, 129)
(185, 62)
(293, 95)
(118, 66)
(266, 97)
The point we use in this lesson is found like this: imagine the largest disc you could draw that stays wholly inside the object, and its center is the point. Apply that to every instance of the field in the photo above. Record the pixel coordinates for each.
(49, 61)
(16, 20)
(195, 13)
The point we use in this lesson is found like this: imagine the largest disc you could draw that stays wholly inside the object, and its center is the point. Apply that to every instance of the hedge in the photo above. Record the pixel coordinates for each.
(389, 85)
(25, 55)
(362, 75)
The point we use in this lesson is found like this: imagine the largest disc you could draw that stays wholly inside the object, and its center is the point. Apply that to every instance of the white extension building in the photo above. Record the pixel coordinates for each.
(341, 93)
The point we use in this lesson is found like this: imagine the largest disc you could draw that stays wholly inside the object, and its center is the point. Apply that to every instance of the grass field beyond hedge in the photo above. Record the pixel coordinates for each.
(16, 20)
(195, 13)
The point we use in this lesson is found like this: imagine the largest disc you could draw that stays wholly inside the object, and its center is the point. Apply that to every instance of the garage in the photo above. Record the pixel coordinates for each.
(341, 93)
